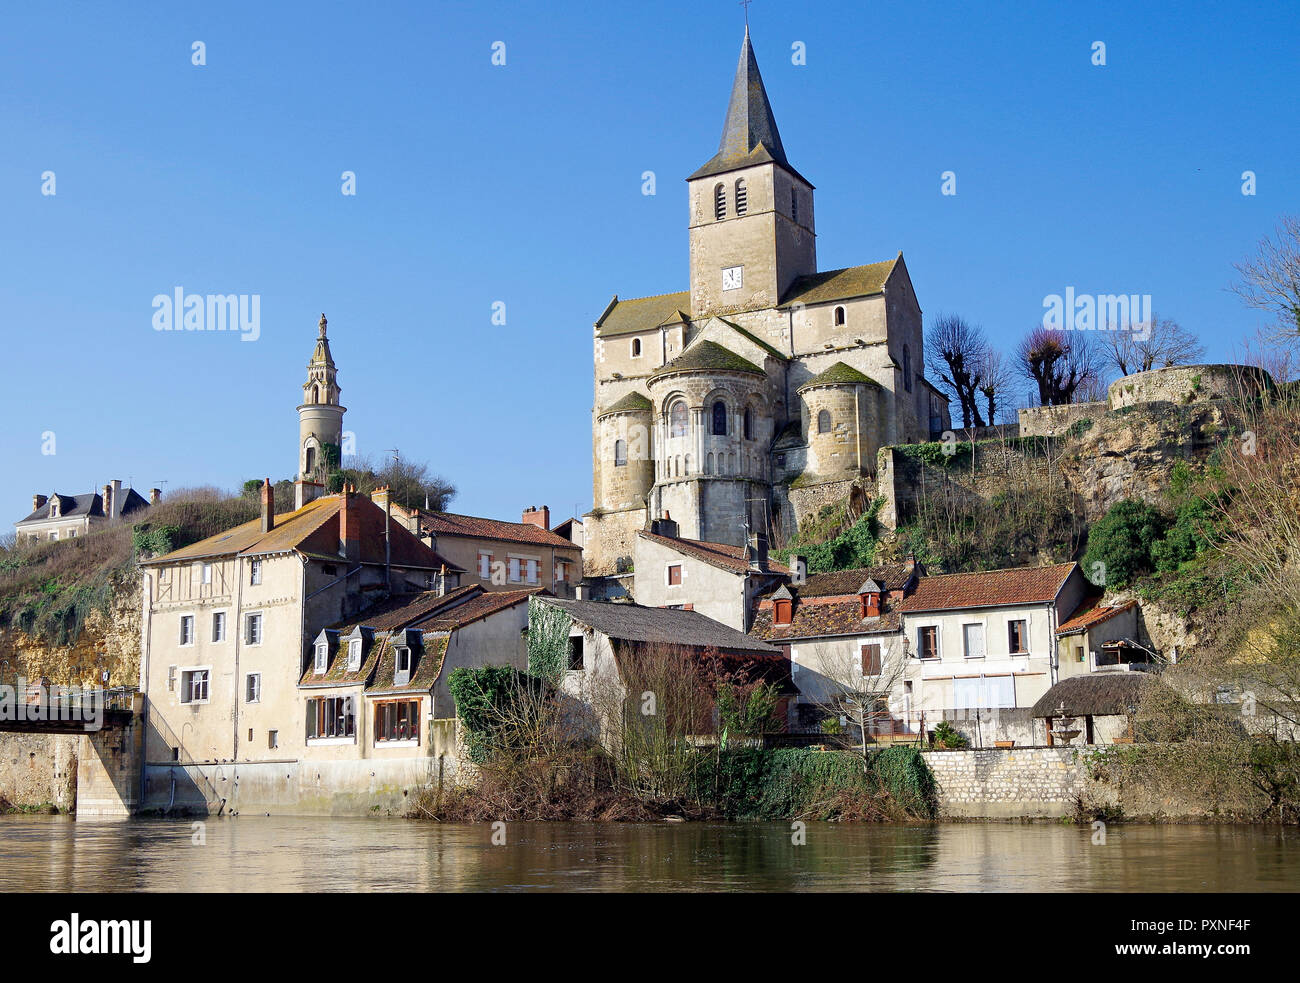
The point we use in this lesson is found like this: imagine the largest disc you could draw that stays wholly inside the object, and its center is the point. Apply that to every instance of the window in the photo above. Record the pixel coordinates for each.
(907, 368)
(839, 317)
(532, 571)
(674, 574)
(255, 571)
(561, 571)
(401, 665)
(331, 716)
(636, 347)
(794, 204)
(742, 197)
(514, 569)
(171, 679)
(747, 426)
(253, 629)
(678, 426)
(719, 202)
(397, 720)
(927, 642)
(72, 533)
(253, 688)
(484, 565)
(273, 739)
(194, 686)
(984, 692)
(309, 462)
(620, 453)
(205, 573)
(54, 536)
(783, 612)
(973, 640)
(354, 655)
(219, 626)
(575, 653)
(719, 419)
(322, 657)
(780, 460)
(824, 421)
(187, 629)
(1017, 637)
(328, 570)
(1078, 653)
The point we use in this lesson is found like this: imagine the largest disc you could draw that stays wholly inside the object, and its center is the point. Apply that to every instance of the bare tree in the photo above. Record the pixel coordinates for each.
(855, 681)
(996, 380)
(954, 353)
(1270, 280)
(1156, 344)
(1059, 364)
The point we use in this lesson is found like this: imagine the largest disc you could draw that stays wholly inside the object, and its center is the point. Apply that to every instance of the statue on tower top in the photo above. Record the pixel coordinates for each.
(323, 323)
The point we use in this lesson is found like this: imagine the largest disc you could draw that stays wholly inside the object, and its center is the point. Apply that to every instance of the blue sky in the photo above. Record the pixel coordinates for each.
(522, 184)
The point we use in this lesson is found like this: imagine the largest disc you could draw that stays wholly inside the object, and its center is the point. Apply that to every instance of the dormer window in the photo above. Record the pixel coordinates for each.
(322, 657)
(783, 613)
(742, 197)
(402, 665)
(871, 604)
(54, 507)
(719, 202)
(354, 655)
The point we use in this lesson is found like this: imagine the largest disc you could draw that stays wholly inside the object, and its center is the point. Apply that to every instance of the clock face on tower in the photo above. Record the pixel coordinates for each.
(731, 278)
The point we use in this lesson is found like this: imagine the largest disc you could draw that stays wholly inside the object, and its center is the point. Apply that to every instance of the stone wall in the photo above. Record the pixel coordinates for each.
(1037, 421)
(1186, 384)
(1009, 783)
(39, 769)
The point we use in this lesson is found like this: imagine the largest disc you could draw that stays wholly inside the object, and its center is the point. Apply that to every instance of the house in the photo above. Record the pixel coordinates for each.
(1098, 708)
(570, 529)
(608, 640)
(1103, 636)
(500, 555)
(716, 579)
(842, 634)
(57, 516)
(228, 620)
(376, 685)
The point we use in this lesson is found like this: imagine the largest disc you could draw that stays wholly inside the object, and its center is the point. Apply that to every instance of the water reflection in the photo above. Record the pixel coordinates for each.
(51, 853)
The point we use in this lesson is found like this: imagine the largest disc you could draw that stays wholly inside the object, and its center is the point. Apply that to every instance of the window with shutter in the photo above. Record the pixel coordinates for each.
(871, 660)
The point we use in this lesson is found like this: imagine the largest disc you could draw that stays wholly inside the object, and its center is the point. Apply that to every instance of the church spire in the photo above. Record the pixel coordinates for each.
(749, 135)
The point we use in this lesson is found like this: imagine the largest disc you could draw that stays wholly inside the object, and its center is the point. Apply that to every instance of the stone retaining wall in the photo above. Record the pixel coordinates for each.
(1009, 783)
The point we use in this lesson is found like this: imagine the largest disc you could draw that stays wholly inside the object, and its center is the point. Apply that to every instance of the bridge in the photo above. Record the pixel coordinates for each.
(43, 710)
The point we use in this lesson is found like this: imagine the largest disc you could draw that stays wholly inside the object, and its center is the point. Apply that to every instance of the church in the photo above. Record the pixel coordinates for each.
(765, 389)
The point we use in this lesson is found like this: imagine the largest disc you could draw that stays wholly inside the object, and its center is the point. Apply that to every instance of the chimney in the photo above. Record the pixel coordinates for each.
(154, 495)
(117, 500)
(798, 564)
(306, 491)
(38, 501)
(541, 518)
(268, 506)
(664, 527)
(350, 525)
(442, 581)
(757, 552)
(383, 497)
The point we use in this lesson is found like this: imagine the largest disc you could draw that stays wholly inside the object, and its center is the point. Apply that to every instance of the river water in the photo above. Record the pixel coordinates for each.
(55, 853)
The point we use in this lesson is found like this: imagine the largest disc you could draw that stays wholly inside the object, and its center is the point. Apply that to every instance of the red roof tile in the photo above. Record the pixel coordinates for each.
(987, 589)
(1091, 612)
(718, 554)
(451, 524)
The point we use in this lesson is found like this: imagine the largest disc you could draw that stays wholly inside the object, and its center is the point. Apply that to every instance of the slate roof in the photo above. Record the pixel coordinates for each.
(722, 555)
(634, 623)
(839, 374)
(89, 504)
(823, 618)
(477, 527)
(831, 285)
(427, 661)
(749, 134)
(336, 672)
(314, 530)
(1095, 694)
(1091, 612)
(633, 402)
(708, 356)
(638, 314)
(987, 589)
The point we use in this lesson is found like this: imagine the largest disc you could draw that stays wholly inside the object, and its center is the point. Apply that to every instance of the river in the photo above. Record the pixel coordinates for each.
(56, 853)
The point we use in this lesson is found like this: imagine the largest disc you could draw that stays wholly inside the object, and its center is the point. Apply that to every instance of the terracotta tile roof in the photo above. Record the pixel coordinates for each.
(1092, 612)
(479, 607)
(427, 661)
(451, 524)
(336, 672)
(722, 555)
(402, 610)
(989, 588)
(890, 576)
(314, 530)
(822, 617)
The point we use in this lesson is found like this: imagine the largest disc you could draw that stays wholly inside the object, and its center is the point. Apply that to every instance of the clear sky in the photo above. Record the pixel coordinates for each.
(478, 183)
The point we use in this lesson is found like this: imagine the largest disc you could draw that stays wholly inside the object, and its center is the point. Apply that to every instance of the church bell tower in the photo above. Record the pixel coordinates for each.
(320, 423)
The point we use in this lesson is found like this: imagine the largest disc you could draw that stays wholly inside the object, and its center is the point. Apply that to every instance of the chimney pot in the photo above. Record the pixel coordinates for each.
(534, 516)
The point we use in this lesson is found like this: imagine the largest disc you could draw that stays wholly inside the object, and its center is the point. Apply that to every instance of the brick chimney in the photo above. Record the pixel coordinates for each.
(541, 518)
(106, 499)
(154, 495)
(350, 524)
(268, 506)
(38, 501)
(383, 497)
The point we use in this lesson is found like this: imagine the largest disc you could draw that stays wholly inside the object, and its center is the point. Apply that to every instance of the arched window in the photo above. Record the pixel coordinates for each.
(719, 419)
(708, 464)
(742, 197)
(749, 424)
(677, 423)
(620, 453)
(720, 202)
(794, 204)
(839, 317)
(907, 368)
(315, 394)
(309, 465)
(824, 421)
(636, 347)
